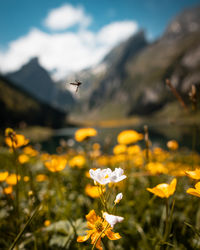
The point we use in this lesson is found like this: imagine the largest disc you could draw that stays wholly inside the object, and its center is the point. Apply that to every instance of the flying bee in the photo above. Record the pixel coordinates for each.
(76, 83)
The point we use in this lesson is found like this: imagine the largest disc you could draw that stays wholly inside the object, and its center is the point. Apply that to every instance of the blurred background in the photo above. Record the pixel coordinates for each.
(121, 51)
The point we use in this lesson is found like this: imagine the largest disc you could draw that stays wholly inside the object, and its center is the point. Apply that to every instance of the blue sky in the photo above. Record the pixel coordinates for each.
(29, 28)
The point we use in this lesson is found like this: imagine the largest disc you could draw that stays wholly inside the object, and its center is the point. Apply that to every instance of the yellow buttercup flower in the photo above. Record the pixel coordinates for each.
(26, 178)
(47, 223)
(85, 133)
(156, 168)
(23, 158)
(30, 193)
(103, 160)
(133, 150)
(77, 161)
(93, 191)
(12, 179)
(173, 145)
(41, 177)
(45, 157)
(3, 176)
(17, 141)
(194, 191)
(96, 146)
(129, 136)
(98, 228)
(164, 190)
(30, 151)
(194, 174)
(56, 163)
(119, 149)
(8, 190)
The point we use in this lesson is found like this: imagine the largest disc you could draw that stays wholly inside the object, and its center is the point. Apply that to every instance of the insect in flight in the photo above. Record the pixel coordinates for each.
(76, 83)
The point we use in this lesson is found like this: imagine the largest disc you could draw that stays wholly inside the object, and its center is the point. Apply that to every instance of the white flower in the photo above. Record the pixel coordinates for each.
(102, 176)
(117, 175)
(112, 219)
(118, 198)
(105, 176)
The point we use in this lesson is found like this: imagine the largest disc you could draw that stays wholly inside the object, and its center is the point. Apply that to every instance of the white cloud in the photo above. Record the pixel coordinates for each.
(115, 32)
(67, 51)
(66, 16)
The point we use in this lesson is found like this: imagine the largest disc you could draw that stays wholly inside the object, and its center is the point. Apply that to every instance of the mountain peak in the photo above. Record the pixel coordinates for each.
(33, 78)
(186, 22)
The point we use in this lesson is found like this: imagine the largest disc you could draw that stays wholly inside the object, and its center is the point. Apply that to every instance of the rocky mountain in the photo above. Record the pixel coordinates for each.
(133, 78)
(36, 81)
(19, 107)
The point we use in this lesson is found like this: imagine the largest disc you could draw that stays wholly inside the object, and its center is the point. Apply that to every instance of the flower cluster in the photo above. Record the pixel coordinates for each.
(99, 227)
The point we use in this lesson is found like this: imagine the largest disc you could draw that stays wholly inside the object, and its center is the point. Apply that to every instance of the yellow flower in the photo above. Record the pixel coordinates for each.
(3, 176)
(56, 163)
(30, 193)
(156, 168)
(98, 228)
(8, 190)
(26, 178)
(194, 174)
(45, 157)
(47, 223)
(85, 133)
(23, 158)
(93, 191)
(41, 177)
(103, 160)
(138, 161)
(30, 151)
(16, 141)
(129, 136)
(173, 145)
(119, 149)
(77, 161)
(164, 190)
(118, 159)
(195, 191)
(12, 179)
(133, 150)
(96, 146)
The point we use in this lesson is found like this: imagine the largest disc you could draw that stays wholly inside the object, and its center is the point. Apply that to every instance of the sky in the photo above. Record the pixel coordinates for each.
(69, 36)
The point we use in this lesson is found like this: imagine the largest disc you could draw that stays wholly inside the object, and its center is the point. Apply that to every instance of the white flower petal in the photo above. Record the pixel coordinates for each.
(112, 219)
(118, 198)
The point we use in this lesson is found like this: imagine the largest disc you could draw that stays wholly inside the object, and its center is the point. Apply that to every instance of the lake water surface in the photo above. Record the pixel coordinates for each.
(187, 136)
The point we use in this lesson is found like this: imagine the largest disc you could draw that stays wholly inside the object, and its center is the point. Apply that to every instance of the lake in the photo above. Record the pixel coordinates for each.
(187, 136)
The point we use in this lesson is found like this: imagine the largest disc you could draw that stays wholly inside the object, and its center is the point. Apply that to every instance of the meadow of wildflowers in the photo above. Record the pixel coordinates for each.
(84, 198)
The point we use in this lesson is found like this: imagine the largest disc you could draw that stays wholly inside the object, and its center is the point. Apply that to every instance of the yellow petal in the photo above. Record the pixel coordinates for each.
(193, 191)
(86, 237)
(172, 186)
(197, 186)
(98, 244)
(3, 176)
(111, 235)
(157, 192)
(193, 174)
(91, 217)
(94, 237)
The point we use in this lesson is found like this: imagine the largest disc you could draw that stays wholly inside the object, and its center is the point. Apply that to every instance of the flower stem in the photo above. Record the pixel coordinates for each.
(167, 221)
(24, 228)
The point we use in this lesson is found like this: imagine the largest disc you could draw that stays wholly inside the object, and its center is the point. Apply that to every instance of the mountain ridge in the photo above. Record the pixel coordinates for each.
(137, 86)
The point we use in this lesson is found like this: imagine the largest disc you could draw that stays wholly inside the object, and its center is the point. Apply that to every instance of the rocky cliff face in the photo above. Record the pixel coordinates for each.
(133, 81)
(36, 81)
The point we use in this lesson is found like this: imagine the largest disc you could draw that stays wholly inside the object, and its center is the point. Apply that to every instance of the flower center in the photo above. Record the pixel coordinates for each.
(99, 226)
